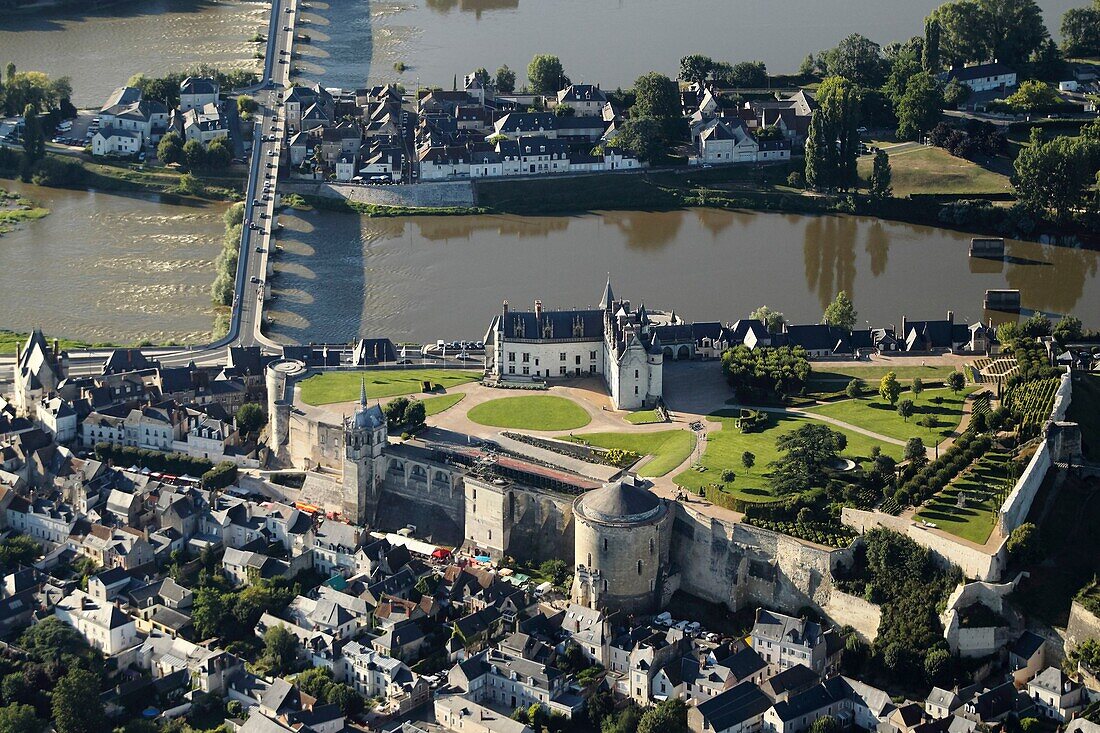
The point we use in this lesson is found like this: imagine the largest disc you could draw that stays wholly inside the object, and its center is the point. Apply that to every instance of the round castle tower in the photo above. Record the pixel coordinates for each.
(622, 535)
(278, 375)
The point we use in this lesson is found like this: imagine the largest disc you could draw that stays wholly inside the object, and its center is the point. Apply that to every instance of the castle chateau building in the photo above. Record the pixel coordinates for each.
(618, 344)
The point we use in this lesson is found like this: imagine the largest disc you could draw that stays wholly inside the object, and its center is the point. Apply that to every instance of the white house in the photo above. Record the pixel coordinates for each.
(204, 124)
(58, 418)
(104, 625)
(725, 141)
(114, 141)
(988, 77)
(197, 92)
(127, 110)
(586, 100)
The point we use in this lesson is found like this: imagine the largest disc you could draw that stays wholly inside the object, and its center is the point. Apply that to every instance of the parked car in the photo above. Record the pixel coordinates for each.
(255, 280)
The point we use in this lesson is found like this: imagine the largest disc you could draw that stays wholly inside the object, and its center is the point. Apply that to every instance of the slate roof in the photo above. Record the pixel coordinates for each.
(563, 325)
(1026, 646)
(980, 71)
(734, 706)
(127, 360)
(618, 500)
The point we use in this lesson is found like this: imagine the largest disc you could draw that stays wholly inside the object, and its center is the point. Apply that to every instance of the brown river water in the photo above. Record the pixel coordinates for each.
(424, 278)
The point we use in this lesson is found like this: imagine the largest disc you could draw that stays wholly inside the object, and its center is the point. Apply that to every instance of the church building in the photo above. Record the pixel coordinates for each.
(614, 341)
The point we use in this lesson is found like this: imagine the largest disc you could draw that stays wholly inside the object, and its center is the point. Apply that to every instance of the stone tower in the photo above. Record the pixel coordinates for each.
(364, 439)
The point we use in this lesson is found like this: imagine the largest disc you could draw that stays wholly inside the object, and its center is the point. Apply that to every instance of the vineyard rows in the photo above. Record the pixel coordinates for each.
(1032, 402)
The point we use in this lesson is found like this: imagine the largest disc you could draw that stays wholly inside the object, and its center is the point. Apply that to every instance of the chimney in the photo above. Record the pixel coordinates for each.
(538, 309)
(504, 312)
(904, 330)
(951, 317)
(56, 351)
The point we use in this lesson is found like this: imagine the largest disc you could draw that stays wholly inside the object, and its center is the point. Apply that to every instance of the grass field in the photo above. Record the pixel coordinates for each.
(10, 341)
(530, 412)
(436, 405)
(324, 389)
(669, 448)
(724, 448)
(837, 376)
(934, 170)
(975, 521)
(642, 417)
(877, 415)
(1084, 409)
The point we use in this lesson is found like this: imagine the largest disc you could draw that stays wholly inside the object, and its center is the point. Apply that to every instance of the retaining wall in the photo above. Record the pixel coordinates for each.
(1083, 624)
(844, 609)
(1016, 507)
(419, 195)
(975, 563)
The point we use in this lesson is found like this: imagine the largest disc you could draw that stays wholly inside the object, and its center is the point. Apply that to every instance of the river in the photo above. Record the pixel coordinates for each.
(610, 42)
(100, 49)
(103, 267)
(341, 276)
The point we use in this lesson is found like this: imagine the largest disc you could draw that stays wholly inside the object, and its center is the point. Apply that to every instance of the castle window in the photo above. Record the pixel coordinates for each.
(650, 545)
(562, 370)
(591, 354)
(635, 373)
(635, 389)
(526, 370)
(590, 561)
(511, 370)
(578, 358)
(605, 544)
(526, 357)
(639, 567)
(561, 356)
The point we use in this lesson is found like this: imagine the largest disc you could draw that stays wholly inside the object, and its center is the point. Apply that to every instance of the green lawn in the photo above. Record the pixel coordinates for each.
(530, 412)
(669, 448)
(877, 415)
(436, 405)
(10, 341)
(642, 417)
(934, 170)
(724, 448)
(842, 374)
(329, 387)
(975, 521)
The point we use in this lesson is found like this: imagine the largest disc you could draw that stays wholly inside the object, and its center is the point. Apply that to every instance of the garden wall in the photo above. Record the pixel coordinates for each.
(975, 563)
(844, 609)
(1016, 507)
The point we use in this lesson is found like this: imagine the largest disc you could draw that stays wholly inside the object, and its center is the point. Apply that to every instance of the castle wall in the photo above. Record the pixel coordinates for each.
(543, 526)
(621, 566)
(1082, 625)
(844, 609)
(739, 565)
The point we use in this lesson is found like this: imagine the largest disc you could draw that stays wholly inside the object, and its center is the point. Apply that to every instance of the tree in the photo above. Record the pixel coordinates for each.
(246, 106)
(917, 387)
(695, 68)
(1033, 95)
(881, 176)
(481, 76)
(643, 136)
(1037, 325)
(915, 450)
(209, 612)
(976, 30)
(905, 409)
(505, 80)
(772, 320)
(280, 651)
(19, 719)
(655, 95)
(854, 389)
(840, 313)
(728, 476)
(930, 59)
(669, 716)
(546, 74)
(807, 451)
(1055, 174)
(805, 516)
(748, 459)
(920, 106)
(76, 705)
(218, 154)
(18, 550)
(747, 75)
(170, 149)
(194, 155)
(833, 142)
(1023, 544)
(937, 666)
(825, 724)
(956, 381)
(955, 94)
(34, 139)
(250, 417)
(1068, 329)
(556, 570)
(858, 59)
(1081, 31)
(889, 388)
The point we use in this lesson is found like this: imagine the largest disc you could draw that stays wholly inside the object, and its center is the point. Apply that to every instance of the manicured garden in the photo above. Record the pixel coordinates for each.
(669, 448)
(436, 405)
(330, 387)
(879, 416)
(530, 412)
(985, 485)
(725, 448)
(832, 378)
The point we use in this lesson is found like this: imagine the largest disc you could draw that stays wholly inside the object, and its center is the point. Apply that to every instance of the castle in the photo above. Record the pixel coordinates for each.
(617, 343)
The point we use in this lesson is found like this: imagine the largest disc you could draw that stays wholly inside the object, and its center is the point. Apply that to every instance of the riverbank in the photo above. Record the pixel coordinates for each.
(323, 203)
(15, 209)
(11, 341)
